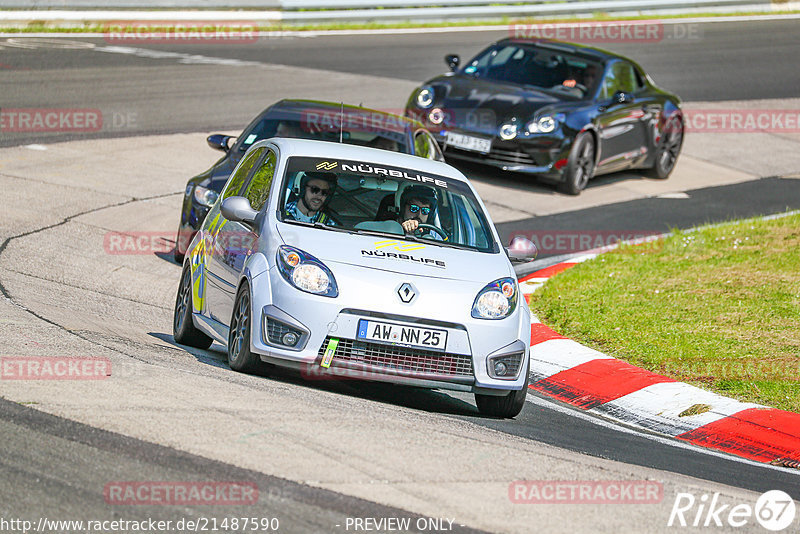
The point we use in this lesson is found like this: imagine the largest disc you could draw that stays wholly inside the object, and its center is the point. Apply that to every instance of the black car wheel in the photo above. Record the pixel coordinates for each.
(239, 356)
(183, 329)
(668, 148)
(580, 164)
(506, 406)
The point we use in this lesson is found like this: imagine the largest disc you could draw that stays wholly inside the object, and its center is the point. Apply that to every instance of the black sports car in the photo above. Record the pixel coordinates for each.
(308, 119)
(561, 111)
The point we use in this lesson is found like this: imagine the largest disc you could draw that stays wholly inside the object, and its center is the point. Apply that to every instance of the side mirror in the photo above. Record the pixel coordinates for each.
(238, 209)
(219, 142)
(452, 61)
(521, 250)
(622, 97)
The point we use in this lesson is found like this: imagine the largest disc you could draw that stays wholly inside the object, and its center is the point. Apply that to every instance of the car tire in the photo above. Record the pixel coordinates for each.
(580, 165)
(239, 356)
(668, 148)
(507, 406)
(183, 329)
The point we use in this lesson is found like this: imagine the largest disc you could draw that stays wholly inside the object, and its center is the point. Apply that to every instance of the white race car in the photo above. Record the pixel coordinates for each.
(335, 258)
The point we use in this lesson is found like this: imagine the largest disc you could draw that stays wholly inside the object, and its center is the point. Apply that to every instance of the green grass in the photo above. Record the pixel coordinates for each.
(44, 27)
(718, 308)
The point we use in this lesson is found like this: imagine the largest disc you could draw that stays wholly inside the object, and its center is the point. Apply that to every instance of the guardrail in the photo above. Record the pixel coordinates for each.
(320, 11)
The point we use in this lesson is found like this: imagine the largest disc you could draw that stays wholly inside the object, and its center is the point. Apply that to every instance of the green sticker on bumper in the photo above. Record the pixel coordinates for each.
(330, 350)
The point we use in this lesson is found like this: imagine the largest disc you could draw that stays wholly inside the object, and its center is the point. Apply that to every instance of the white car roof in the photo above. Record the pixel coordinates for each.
(326, 149)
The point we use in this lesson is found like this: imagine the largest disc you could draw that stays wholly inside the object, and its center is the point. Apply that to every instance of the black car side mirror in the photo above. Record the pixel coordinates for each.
(452, 61)
(621, 97)
(219, 142)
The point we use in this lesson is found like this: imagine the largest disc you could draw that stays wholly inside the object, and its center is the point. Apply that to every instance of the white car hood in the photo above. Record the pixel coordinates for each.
(396, 255)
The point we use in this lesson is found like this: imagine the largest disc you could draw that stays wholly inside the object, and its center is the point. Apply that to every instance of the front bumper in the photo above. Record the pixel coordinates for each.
(543, 155)
(316, 321)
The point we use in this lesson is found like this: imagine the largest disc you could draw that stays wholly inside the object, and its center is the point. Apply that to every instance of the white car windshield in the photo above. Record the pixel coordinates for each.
(375, 198)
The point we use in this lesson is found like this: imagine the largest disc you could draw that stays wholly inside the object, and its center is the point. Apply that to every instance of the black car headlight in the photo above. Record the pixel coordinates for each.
(545, 123)
(305, 272)
(497, 300)
(436, 116)
(425, 97)
(508, 131)
(205, 196)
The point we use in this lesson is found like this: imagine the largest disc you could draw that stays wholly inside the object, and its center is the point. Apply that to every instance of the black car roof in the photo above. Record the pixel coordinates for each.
(298, 106)
(587, 52)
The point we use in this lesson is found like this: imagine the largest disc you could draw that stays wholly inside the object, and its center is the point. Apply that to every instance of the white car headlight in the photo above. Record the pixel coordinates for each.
(311, 278)
(425, 97)
(205, 196)
(497, 300)
(305, 272)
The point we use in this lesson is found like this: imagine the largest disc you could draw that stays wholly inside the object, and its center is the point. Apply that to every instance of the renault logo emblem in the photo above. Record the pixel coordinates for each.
(407, 293)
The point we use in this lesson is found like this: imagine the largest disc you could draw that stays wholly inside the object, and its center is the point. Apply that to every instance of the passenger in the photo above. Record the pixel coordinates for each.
(384, 143)
(288, 129)
(589, 77)
(316, 191)
(418, 205)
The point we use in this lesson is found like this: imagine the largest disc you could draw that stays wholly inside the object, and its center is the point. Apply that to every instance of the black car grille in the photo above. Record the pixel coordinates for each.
(400, 360)
(510, 156)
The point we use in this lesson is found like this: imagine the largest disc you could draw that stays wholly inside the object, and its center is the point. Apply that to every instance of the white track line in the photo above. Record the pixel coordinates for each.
(613, 425)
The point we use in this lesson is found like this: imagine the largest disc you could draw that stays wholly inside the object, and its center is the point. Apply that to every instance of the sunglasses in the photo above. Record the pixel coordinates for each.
(319, 191)
(413, 208)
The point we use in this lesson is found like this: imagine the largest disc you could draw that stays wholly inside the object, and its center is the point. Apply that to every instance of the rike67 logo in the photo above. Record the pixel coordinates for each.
(774, 510)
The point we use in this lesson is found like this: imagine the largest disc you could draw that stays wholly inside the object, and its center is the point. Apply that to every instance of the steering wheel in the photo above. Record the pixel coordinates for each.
(436, 229)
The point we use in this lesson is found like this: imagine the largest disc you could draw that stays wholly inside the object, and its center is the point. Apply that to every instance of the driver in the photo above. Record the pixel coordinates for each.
(316, 190)
(417, 206)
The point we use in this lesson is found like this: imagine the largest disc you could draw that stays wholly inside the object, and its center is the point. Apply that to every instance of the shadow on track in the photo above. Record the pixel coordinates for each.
(416, 398)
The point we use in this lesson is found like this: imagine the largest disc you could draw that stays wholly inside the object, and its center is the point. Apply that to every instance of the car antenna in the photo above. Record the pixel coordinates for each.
(341, 122)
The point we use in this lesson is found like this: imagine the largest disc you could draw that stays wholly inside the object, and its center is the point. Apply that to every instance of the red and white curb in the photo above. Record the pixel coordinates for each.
(590, 380)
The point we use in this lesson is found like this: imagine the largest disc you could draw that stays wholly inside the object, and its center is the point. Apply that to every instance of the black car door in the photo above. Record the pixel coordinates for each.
(622, 119)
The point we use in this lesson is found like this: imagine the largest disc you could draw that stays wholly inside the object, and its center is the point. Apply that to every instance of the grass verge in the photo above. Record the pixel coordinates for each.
(48, 27)
(718, 307)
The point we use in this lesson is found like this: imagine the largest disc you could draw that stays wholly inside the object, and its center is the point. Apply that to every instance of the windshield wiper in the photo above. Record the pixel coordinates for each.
(320, 225)
(361, 231)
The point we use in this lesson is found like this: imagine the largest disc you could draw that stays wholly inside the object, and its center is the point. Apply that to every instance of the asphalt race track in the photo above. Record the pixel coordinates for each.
(324, 453)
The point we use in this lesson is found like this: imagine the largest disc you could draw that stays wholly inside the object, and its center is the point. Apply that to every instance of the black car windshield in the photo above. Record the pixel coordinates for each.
(374, 198)
(364, 128)
(549, 69)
